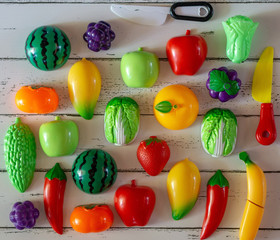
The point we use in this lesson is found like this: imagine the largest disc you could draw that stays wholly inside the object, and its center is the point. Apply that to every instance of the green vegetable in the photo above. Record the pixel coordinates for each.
(239, 32)
(122, 119)
(219, 132)
(20, 155)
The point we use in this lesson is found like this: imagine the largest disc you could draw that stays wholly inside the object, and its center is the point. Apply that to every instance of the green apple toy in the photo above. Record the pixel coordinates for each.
(59, 137)
(139, 69)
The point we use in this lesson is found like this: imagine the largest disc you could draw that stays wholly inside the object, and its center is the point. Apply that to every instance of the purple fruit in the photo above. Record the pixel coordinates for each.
(99, 36)
(223, 83)
(24, 215)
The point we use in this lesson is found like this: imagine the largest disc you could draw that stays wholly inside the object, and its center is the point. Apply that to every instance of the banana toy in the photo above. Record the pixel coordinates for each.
(256, 197)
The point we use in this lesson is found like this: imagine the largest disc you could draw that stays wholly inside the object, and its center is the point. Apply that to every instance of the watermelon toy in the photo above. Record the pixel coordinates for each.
(94, 171)
(47, 48)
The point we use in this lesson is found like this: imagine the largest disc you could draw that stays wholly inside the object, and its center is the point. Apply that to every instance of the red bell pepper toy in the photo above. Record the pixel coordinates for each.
(217, 196)
(54, 188)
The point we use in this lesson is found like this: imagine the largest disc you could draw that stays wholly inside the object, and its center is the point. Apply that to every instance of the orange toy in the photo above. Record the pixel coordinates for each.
(91, 218)
(176, 107)
(36, 99)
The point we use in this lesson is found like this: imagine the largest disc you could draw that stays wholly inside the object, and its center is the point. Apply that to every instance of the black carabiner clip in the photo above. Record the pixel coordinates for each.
(204, 5)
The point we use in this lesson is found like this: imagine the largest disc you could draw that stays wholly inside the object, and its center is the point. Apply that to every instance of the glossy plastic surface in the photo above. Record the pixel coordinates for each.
(36, 99)
(134, 204)
(59, 137)
(91, 218)
(176, 107)
(186, 54)
(84, 85)
(183, 186)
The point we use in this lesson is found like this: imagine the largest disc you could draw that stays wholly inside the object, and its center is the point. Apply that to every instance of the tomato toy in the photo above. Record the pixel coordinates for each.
(91, 218)
(153, 154)
(186, 54)
(36, 99)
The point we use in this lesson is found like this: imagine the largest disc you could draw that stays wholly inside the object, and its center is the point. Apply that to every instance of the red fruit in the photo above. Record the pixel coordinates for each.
(134, 204)
(153, 155)
(186, 54)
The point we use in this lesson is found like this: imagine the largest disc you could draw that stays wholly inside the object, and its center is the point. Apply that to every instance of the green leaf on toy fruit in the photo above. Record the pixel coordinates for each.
(217, 80)
(152, 140)
(233, 88)
(164, 107)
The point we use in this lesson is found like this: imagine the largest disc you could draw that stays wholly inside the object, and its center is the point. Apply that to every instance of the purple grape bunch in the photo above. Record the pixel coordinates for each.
(24, 215)
(223, 84)
(99, 36)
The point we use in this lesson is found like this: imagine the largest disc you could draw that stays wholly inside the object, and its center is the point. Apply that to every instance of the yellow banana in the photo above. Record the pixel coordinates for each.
(256, 197)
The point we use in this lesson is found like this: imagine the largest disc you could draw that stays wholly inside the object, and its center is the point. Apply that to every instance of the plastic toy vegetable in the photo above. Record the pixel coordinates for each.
(94, 171)
(217, 196)
(59, 137)
(176, 107)
(219, 132)
(183, 186)
(24, 215)
(153, 155)
(20, 155)
(134, 204)
(99, 36)
(36, 99)
(239, 32)
(47, 48)
(186, 54)
(121, 120)
(54, 188)
(91, 218)
(84, 85)
(223, 84)
(256, 198)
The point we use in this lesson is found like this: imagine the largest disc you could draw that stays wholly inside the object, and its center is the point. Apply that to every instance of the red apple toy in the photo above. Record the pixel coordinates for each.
(186, 54)
(134, 204)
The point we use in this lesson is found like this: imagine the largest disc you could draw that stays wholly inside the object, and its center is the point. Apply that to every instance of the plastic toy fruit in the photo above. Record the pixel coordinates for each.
(134, 204)
(36, 99)
(183, 186)
(59, 137)
(186, 54)
(223, 84)
(47, 48)
(24, 215)
(217, 196)
(94, 171)
(20, 155)
(91, 218)
(54, 188)
(153, 155)
(176, 107)
(99, 36)
(256, 198)
(84, 85)
(139, 69)
(239, 32)
(121, 120)
(219, 132)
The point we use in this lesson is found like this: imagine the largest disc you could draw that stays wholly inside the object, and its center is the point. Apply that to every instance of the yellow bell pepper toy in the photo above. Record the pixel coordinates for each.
(256, 197)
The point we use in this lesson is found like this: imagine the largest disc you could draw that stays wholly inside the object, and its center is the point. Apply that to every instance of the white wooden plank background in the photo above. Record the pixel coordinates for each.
(19, 18)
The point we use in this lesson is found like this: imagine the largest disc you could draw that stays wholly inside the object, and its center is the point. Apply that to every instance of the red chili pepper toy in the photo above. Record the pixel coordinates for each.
(217, 196)
(55, 183)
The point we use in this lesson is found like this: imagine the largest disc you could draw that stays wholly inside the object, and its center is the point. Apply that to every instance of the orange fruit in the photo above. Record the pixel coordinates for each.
(176, 107)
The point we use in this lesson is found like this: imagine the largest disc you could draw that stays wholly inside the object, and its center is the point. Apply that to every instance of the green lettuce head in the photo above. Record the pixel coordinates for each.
(121, 122)
(239, 32)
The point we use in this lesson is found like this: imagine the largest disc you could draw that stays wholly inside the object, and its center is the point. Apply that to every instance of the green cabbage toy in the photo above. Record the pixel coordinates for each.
(239, 32)
(122, 119)
(219, 132)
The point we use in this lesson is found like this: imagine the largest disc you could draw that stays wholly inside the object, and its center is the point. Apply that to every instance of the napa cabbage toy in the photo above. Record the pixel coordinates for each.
(121, 121)
(239, 32)
(20, 155)
(219, 132)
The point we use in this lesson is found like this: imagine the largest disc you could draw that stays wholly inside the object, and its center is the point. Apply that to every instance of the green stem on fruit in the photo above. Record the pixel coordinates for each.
(57, 118)
(17, 120)
(165, 107)
(140, 49)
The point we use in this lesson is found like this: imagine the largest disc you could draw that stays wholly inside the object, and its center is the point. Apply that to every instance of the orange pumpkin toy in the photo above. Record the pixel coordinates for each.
(36, 99)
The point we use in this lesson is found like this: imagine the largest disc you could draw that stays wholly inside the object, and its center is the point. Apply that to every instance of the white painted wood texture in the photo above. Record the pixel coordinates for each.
(17, 20)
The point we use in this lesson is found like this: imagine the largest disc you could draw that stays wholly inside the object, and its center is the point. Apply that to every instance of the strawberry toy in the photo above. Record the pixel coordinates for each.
(153, 155)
